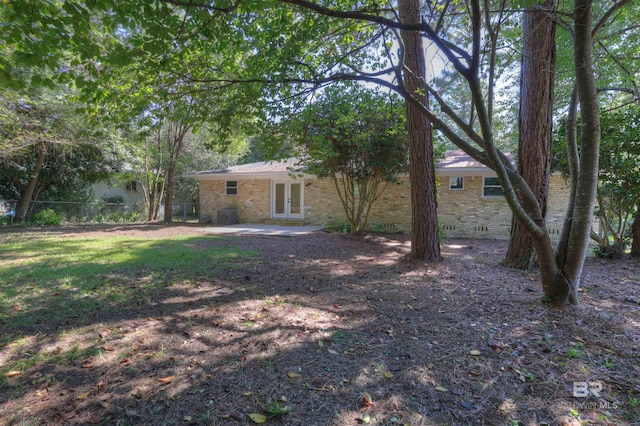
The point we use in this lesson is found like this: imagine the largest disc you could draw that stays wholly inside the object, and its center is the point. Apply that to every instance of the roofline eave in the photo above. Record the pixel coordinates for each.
(236, 176)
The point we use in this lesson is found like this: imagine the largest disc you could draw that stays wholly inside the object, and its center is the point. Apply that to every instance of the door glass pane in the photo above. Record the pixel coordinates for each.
(295, 198)
(280, 198)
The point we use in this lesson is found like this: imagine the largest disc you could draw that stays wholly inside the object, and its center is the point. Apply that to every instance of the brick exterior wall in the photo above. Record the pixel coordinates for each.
(252, 201)
(461, 212)
(466, 213)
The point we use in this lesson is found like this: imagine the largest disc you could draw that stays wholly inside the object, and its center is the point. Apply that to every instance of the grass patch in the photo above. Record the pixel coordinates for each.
(48, 281)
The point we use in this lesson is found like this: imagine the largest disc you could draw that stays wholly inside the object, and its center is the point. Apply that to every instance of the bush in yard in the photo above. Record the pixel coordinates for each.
(358, 138)
(47, 217)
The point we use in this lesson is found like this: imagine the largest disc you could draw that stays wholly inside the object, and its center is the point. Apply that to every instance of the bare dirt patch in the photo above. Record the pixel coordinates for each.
(338, 328)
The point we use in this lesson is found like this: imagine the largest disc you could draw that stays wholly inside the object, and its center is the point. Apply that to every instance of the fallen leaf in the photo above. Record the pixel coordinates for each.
(83, 395)
(109, 348)
(293, 375)
(366, 418)
(320, 343)
(187, 418)
(388, 374)
(332, 352)
(257, 418)
(12, 373)
(94, 420)
(367, 402)
(475, 352)
(579, 339)
(441, 389)
(101, 385)
(247, 393)
(166, 380)
(88, 365)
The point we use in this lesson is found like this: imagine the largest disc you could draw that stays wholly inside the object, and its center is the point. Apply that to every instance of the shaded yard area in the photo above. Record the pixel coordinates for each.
(153, 325)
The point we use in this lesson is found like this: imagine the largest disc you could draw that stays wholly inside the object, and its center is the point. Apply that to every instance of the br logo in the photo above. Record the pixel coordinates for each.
(584, 389)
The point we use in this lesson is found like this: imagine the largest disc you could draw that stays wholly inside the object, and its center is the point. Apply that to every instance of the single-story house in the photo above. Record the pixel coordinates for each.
(470, 200)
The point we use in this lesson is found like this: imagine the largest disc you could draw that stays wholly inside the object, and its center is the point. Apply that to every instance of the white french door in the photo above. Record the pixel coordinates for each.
(287, 199)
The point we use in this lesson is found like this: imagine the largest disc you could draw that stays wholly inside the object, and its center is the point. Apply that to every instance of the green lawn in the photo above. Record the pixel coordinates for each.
(47, 280)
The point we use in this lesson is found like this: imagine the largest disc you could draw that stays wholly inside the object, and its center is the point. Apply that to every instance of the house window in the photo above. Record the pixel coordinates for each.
(456, 182)
(491, 187)
(132, 186)
(231, 187)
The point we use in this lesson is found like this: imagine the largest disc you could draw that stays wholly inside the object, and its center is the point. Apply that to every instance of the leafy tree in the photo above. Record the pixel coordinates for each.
(48, 149)
(202, 152)
(619, 177)
(357, 137)
(65, 176)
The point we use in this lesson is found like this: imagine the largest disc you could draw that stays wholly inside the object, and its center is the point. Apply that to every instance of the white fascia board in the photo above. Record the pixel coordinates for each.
(466, 171)
(241, 176)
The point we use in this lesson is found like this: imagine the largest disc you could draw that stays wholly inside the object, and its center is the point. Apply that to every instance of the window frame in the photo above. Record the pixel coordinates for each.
(493, 186)
(131, 187)
(234, 189)
(459, 181)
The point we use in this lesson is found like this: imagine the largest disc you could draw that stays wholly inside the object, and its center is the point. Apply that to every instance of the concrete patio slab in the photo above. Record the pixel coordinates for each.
(257, 229)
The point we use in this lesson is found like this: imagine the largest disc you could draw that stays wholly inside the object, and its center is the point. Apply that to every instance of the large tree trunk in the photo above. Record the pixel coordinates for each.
(176, 132)
(555, 287)
(535, 120)
(25, 198)
(635, 234)
(168, 196)
(425, 241)
(574, 243)
(561, 274)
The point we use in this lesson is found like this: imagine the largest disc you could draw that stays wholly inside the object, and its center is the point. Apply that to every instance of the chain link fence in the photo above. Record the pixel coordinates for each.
(97, 212)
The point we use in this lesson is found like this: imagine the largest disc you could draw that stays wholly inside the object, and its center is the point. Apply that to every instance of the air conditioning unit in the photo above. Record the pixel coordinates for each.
(227, 217)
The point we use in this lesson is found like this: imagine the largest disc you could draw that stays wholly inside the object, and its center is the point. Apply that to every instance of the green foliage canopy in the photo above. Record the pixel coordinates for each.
(354, 131)
(619, 177)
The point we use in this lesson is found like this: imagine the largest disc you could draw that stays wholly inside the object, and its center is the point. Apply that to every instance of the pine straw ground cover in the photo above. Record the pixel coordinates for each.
(324, 329)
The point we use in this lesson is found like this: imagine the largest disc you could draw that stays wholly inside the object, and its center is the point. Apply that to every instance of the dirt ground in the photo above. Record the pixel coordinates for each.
(330, 329)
